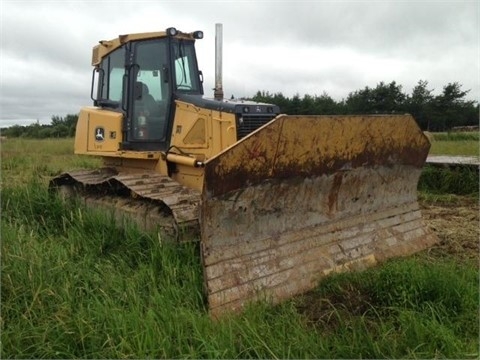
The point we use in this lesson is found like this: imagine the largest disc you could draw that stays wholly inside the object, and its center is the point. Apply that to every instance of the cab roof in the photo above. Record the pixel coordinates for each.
(105, 47)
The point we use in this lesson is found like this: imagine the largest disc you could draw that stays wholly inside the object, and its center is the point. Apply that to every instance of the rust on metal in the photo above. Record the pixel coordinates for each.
(305, 196)
(316, 145)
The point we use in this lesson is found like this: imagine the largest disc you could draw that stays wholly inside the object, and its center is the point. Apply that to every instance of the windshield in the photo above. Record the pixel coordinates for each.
(186, 69)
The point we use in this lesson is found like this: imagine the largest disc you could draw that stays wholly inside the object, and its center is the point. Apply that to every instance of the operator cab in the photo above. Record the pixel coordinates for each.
(141, 78)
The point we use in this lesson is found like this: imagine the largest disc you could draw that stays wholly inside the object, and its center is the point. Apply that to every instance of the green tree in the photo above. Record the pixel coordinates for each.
(60, 130)
(295, 105)
(388, 98)
(384, 98)
(324, 104)
(45, 132)
(452, 109)
(307, 105)
(13, 131)
(59, 124)
(420, 104)
(360, 102)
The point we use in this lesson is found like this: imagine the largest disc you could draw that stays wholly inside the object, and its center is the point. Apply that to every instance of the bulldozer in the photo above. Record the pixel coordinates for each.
(277, 201)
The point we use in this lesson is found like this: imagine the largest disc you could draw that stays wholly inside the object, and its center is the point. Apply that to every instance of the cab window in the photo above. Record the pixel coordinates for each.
(186, 69)
(113, 70)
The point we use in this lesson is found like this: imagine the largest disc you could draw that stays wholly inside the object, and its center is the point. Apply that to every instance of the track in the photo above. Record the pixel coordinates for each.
(151, 200)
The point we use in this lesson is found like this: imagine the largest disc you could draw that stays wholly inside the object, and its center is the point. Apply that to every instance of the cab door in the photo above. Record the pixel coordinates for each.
(149, 106)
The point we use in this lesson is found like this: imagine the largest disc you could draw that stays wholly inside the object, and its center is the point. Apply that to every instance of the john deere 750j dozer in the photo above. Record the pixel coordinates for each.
(279, 201)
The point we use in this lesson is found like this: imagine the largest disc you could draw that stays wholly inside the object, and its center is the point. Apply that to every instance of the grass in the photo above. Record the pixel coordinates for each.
(405, 302)
(453, 180)
(23, 158)
(461, 143)
(74, 285)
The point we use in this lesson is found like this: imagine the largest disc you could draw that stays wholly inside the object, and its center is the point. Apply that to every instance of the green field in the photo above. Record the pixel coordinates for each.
(74, 285)
(466, 143)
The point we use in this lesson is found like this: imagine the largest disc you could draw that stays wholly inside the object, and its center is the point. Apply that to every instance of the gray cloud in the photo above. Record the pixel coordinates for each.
(279, 46)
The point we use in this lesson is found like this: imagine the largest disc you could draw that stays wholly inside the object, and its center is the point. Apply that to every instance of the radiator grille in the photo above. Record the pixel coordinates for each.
(250, 123)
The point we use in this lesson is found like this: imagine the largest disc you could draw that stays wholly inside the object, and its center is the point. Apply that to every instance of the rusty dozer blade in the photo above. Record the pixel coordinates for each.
(307, 195)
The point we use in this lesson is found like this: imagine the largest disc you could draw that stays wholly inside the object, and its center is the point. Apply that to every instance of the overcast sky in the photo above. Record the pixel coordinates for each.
(298, 46)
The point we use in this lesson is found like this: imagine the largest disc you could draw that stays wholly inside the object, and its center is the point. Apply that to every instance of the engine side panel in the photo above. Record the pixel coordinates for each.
(98, 131)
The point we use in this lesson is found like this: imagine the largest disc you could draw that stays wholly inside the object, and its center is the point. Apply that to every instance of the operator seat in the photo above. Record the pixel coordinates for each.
(146, 103)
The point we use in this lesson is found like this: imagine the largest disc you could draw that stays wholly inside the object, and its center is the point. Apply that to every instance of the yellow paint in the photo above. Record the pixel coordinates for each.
(161, 165)
(197, 133)
(130, 165)
(202, 133)
(223, 130)
(189, 176)
(93, 120)
(105, 47)
(183, 160)
(309, 141)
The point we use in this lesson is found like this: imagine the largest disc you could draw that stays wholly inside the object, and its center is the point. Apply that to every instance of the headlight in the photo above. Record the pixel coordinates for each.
(198, 34)
(171, 31)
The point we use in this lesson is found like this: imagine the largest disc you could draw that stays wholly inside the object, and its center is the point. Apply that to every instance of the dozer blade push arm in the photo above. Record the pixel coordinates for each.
(307, 195)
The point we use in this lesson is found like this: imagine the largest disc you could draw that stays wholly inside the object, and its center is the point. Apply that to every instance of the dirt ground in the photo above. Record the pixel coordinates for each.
(456, 221)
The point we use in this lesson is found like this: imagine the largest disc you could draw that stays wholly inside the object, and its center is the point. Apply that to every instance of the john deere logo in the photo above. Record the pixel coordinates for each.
(99, 134)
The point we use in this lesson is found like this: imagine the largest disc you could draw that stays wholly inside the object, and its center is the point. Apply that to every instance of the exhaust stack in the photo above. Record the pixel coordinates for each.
(218, 91)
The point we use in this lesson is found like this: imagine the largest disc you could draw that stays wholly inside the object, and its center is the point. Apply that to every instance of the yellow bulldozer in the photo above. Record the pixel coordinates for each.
(277, 201)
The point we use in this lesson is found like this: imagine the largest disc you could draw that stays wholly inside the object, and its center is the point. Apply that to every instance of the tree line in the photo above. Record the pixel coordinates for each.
(433, 112)
(60, 127)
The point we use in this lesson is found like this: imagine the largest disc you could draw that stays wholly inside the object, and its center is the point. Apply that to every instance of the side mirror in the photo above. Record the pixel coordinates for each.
(97, 84)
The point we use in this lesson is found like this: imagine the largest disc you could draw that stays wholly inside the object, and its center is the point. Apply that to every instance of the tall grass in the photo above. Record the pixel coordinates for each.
(457, 136)
(460, 180)
(403, 303)
(74, 285)
(22, 159)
